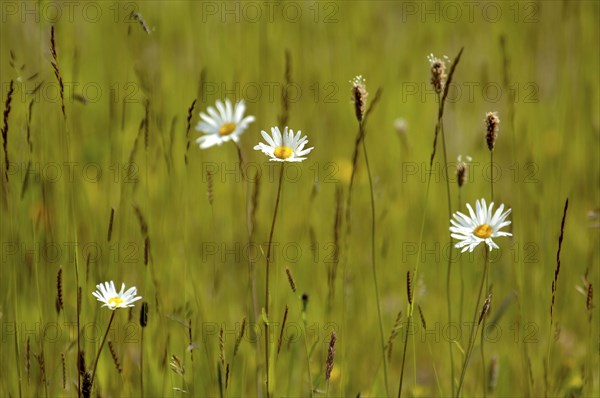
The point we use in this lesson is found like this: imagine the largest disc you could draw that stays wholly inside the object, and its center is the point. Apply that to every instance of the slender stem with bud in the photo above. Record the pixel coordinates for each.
(268, 262)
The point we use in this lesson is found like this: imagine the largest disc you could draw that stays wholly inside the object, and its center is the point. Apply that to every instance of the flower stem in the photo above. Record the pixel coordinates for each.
(268, 261)
(142, 363)
(475, 325)
(411, 304)
(101, 345)
(249, 237)
(404, 354)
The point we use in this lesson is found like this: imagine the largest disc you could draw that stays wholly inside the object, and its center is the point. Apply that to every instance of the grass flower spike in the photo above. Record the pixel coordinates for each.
(286, 148)
(222, 124)
(438, 72)
(359, 97)
(108, 295)
(480, 226)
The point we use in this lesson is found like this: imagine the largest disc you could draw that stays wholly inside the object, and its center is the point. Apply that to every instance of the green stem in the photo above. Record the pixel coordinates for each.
(268, 261)
(462, 277)
(102, 345)
(482, 340)
(374, 268)
(474, 326)
(142, 364)
(251, 266)
(484, 376)
(414, 278)
(492, 175)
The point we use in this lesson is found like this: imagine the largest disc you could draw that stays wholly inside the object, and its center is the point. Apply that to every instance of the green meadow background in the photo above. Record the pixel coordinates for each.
(67, 173)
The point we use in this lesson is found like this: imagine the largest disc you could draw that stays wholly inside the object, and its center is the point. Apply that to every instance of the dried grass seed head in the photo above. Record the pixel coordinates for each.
(359, 96)
(492, 126)
(438, 72)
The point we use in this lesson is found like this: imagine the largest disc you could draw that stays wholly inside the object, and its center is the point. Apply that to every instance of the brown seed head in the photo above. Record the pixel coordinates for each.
(461, 170)
(144, 314)
(486, 308)
(359, 97)
(438, 72)
(86, 387)
(330, 356)
(492, 126)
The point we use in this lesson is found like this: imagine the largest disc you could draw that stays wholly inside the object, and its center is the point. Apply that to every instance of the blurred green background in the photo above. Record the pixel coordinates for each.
(57, 200)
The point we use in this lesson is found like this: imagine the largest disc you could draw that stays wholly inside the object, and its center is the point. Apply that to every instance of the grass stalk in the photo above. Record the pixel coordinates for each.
(474, 325)
(267, 292)
(374, 266)
(450, 248)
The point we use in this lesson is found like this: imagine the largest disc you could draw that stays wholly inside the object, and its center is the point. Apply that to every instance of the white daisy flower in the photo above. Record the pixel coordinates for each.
(480, 226)
(289, 148)
(108, 295)
(222, 124)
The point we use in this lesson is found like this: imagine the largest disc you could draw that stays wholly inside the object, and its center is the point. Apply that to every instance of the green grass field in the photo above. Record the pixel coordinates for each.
(190, 228)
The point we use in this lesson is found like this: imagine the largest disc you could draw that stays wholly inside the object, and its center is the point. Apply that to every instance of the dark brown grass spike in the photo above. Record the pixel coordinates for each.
(239, 338)
(141, 220)
(144, 314)
(115, 357)
(7, 108)
(557, 270)
(42, 365)
(86, 387)
(423, 323)
(222, 348)
(285, 101)
(190, 339)
(330, 356)
(409, 288)
(187, 130)
(59, 292)
(291, 279)
(28, 360)
(146, 124)
(138, 17)
(81, 363)
(227, 376)
(393, 334)
(136, 141)
(146, 250)
(209, 187)
(485, 309)
(29, 113)
(64, 370)
(110, 223)
(285, 315)
(54, 63)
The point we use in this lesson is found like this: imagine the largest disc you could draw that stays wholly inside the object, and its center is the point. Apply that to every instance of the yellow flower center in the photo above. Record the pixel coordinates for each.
(483, 231)
(283, 152)
(227, 128)
(115, 301)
